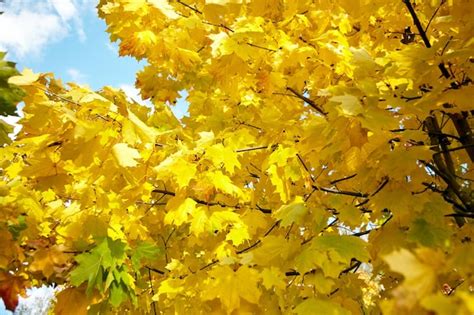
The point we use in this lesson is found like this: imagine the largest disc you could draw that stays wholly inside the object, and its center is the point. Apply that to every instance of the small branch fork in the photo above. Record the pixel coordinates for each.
(424, 37)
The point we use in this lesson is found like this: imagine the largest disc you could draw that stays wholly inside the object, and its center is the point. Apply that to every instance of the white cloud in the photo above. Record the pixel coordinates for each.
(65, 8)
(30, 25)
(76, 75)
(28, 32)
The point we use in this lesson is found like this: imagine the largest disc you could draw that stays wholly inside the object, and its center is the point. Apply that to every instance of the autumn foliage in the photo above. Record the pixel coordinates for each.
(325, 166)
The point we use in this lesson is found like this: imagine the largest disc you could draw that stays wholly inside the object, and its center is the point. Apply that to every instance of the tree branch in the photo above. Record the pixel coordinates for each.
(253, 149)
(308, 101)
(189, 7)
(466, 136)
(422, 32)
(155, 270)
(342, 179)
(341, 192)
(434, 14)
(261, 47)
(258, 241)
(382, 185)
(417, 23)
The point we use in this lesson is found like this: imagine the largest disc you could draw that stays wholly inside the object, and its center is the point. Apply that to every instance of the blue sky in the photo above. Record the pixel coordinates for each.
(66, 37)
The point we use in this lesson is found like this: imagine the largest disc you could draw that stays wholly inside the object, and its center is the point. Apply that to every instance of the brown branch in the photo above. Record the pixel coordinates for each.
(155, 270)
(342, 179)
(305, 167)
(219, 25)
(352, 267)
(164, 192)
(453, 187)
(152, 291)
(434, 14)
(425, 39)
(308, 101)
(341, 192)
(213, 262)
(358, 234)
(258, 241)
(199, 201)
(463, 215)
(261, 47)
(253, 149)
(452, 289)
(466, 136)
(417, 23)
(189, 7)
(455, 149)
(264, 210)
(382, 185)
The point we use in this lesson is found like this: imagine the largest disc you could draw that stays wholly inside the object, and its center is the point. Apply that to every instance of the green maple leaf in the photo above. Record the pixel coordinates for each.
(144, 250)
(92, 266)
(10, 94)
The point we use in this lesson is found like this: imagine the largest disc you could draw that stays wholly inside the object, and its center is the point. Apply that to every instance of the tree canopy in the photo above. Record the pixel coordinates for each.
(325, 166)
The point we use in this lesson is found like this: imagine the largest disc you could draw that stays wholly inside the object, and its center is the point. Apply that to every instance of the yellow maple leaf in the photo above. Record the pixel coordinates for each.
(179, 210)
(224, 155)
(165, 8)
(125, 155)
(27, 77)
(420, 277)
(238, 234)
(224, 183)
(231, 286)
(273, 277)
(292, 213)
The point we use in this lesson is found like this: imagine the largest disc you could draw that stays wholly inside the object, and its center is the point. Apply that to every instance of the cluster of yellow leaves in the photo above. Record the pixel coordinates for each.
(294, 185)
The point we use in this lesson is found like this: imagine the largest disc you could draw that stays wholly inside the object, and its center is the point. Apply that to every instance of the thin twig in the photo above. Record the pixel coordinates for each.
(152, 291)
(253, 149)
(258, 241)
(308, 101)
(342, 179)
(342, 192)
(189, 7)
(261, 47)
(434, 14)
(382, 185)
(155, 270)
(305, 167)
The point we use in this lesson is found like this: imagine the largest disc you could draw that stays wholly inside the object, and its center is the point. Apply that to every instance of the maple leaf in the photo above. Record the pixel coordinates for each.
(10, 288)
(231, 286)
(292, 213)
(125, 155)
(72, 301)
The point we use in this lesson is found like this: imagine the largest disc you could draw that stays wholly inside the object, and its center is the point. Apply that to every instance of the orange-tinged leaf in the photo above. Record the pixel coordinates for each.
(10, 288)
(73, 301)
